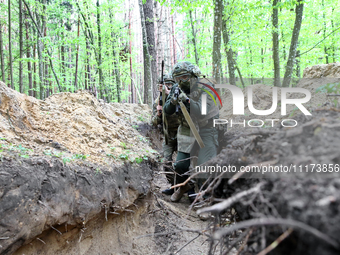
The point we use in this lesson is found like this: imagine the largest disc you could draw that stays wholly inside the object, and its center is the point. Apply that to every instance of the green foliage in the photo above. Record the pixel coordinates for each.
(98, 171)
(249, 25)
(329, 88)
(80, 156)
(123, 145)
(123, 156)
(141, 118)
(66, 159)
(139, 160)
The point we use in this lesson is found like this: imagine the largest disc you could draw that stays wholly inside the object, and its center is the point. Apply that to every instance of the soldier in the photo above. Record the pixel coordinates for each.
(170, 126)
(187, 90)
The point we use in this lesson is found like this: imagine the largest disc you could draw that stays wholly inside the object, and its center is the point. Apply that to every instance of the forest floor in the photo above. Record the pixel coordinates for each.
(81, 176)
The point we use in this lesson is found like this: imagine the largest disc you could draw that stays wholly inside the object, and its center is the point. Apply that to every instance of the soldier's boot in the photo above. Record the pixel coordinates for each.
(180, 192)
(168, 191)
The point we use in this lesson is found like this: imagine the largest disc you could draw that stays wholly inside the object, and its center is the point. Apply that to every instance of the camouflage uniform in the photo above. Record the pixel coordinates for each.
(172, 124)
(204, 123)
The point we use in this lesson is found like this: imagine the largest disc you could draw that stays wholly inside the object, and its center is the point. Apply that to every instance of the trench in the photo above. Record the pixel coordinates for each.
(54, 208)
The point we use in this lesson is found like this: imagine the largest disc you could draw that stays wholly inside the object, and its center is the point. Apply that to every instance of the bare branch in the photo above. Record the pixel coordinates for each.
(217, 208)
(274, 244)
(278, 221)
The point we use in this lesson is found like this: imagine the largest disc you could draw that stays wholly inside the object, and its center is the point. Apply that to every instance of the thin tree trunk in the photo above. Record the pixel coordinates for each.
(62, 49)
(239, 73)
(150, 32)
(77, 55)
(70, 68)
(293, 44)
(194, 37)
(28, 55)
(173, 37)
(40, 48)
(47, 89)
(130, 51)
(100, 70)
(324, 31)
(333, 44)
(10, 43)
(87, 66)
(229, 53)
(21, 51)
(297, 61)
(216, 58)
(283, 47)
(2, 55)
(148, 96)
(262, 59)
(276, 49)
(117, 74)
(35, 74)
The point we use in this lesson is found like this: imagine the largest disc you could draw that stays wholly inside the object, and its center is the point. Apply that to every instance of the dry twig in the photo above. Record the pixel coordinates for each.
(274, 244)
(277, 221)
(217, 208)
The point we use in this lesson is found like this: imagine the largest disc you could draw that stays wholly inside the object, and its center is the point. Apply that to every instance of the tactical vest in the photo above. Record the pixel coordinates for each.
(201, 120)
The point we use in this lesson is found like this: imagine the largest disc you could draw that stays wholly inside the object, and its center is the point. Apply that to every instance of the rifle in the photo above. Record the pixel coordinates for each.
(187, 117)
(161, 100)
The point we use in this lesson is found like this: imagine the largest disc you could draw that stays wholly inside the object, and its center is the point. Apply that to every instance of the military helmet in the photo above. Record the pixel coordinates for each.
(184, 68)
(168, 78)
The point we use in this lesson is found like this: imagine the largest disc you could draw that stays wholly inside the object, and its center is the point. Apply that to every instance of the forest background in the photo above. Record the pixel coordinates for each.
(115, 48)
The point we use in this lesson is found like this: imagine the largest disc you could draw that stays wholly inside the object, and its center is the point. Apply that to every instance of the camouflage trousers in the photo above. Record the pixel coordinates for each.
(182, 164)
(168, 151)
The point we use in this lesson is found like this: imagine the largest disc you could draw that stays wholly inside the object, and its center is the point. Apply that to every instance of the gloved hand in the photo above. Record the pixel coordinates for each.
(182, 97)
(174, 100)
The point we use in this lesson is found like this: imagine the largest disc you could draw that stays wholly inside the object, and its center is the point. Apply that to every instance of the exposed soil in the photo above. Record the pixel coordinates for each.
(310, 198)
(72, 126)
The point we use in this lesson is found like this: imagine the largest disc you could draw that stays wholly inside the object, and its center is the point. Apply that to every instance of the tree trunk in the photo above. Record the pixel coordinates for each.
(283, 47)
(130, 51)
(77, 55)
(100, 70)
(117, 74)
(71, 89)
(40, 49)
(2, 56)
(28, 55)
(148, 95)
(173, 37)
(276, 49)
(47, 87)
(298, 69)
(216, 60)
(62, 49)
(35, 74)
(150, 32)
(293, 44)
(10, 43)
(324, 31)
(229, 53)
(21, 51)
(194, 37)
(333, 43)
(87, 66)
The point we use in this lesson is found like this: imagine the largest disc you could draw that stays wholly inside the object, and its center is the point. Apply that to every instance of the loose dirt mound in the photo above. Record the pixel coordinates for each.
(73, 126)
(325, 70)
